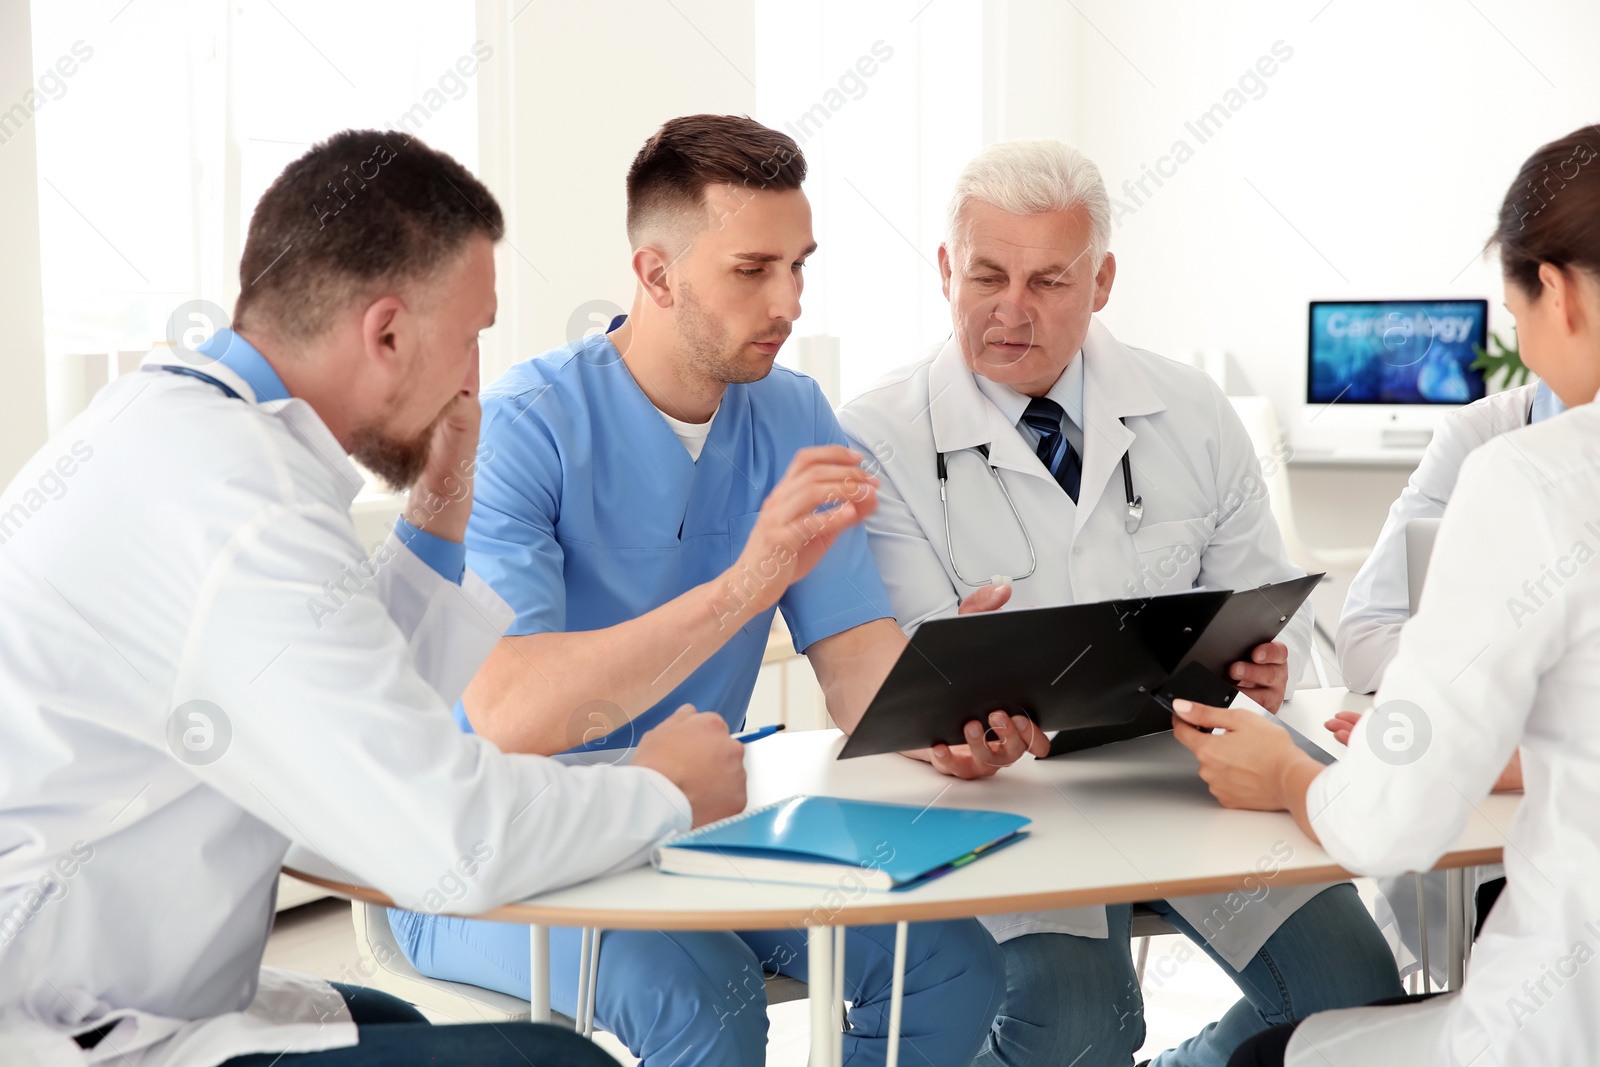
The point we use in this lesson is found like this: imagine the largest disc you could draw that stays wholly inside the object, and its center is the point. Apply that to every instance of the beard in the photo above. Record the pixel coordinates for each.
(397, 461)
(707, 348)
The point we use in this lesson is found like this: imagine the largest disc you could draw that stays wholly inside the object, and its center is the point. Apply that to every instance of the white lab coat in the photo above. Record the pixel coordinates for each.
(1206, 522)
(1486, 667)
(169, 547)
(1378, 605)
(1379, 600)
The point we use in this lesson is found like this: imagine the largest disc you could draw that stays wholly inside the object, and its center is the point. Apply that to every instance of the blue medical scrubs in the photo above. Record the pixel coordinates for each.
(588, 511)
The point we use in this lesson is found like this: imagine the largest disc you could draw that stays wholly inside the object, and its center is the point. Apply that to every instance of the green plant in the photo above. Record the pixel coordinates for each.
(1501, 359)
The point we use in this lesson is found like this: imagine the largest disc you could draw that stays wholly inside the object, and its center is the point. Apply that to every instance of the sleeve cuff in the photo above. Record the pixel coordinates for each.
(1323, 792)
(682, 809)
(803, 636)
(447, 558)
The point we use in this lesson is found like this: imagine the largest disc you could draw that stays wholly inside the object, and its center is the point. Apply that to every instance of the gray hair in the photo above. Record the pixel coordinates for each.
(1030, 177)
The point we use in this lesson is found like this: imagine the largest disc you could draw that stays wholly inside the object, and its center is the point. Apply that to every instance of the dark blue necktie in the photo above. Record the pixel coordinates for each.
(1054, 450)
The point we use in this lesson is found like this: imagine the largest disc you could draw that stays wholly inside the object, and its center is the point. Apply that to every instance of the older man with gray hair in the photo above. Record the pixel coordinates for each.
(1035, 460)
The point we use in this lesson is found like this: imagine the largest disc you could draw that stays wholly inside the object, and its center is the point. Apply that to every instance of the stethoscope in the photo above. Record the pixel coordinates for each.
(1131, 522)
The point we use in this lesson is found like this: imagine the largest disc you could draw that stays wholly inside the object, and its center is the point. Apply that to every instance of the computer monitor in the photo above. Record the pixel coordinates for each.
(1380, 373)
(1395, 351)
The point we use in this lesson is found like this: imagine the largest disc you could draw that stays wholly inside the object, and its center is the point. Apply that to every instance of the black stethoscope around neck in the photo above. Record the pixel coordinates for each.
(1131, 522)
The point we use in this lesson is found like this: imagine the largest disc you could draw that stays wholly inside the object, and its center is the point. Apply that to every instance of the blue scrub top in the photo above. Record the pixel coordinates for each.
(589, 512)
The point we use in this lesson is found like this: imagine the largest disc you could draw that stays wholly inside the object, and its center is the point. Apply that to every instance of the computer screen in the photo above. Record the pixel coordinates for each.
(1395, 351)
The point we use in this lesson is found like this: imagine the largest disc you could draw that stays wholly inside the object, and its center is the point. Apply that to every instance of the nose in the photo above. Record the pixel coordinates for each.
(1018, 298)
(1012, 309)
(786, 298)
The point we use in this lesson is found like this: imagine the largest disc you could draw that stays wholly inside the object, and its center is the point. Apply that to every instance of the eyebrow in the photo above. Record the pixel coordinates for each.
(1052, 271)
(772, 257)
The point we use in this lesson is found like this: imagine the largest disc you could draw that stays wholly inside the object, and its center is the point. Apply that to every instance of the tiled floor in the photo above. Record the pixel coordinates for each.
(1183, 989)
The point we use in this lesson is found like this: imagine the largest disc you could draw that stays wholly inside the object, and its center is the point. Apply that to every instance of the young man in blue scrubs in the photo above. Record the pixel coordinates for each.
(650, 497)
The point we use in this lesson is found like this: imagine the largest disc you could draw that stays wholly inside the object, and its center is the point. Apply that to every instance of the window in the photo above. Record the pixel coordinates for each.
(160, 125)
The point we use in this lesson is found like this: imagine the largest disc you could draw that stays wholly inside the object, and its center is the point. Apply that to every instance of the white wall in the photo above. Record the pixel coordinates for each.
(1030, 81)
(883, 101)
(589, 82)
(22, 412)
(1368, 163)
(1371, 166)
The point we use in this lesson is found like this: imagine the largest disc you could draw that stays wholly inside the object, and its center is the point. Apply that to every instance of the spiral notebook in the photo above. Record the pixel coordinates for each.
(830, 841)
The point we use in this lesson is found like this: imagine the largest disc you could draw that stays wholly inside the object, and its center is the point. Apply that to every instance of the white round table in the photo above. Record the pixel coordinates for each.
(1124, 823)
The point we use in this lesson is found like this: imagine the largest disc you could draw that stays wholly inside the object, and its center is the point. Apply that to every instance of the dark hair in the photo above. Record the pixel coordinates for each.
(363, 209)
(1551, 213)
(670, 174)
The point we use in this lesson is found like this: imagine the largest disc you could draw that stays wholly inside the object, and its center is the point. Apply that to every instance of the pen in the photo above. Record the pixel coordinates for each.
(756, 735)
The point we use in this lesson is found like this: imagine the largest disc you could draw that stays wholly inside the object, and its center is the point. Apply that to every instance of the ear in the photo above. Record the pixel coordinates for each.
(380, 325)
(650, 267)
(1558, 292)
(1583, 289)
(1103, 279)
(945, 268)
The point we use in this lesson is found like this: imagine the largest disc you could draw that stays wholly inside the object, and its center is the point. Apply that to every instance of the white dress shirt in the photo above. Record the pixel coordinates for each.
(198, 667)
(1067, 391)
(1504, 651)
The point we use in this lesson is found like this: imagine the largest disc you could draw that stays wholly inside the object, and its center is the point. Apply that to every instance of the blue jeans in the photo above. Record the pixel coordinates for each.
(394, 1034)
(688, 998)
(1076, 1000)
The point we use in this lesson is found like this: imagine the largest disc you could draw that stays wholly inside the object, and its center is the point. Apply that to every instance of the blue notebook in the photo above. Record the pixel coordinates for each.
(814, 840)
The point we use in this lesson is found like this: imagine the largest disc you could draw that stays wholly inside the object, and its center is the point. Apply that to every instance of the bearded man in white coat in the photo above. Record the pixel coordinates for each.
(1079, 469)
(199, 667)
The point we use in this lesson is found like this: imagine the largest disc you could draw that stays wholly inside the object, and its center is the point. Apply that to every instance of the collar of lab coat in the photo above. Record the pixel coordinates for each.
(300, 417)
(1114, 388)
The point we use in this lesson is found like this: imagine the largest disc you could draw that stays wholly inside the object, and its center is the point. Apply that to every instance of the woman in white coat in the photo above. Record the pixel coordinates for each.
(1488, 668)
(1377, 607)
(1079, 469)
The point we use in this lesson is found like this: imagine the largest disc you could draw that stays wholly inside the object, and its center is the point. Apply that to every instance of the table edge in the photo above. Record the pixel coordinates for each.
(887, 908)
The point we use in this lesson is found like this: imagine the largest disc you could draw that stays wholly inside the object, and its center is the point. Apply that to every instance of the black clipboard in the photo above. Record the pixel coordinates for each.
(1092, 671)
